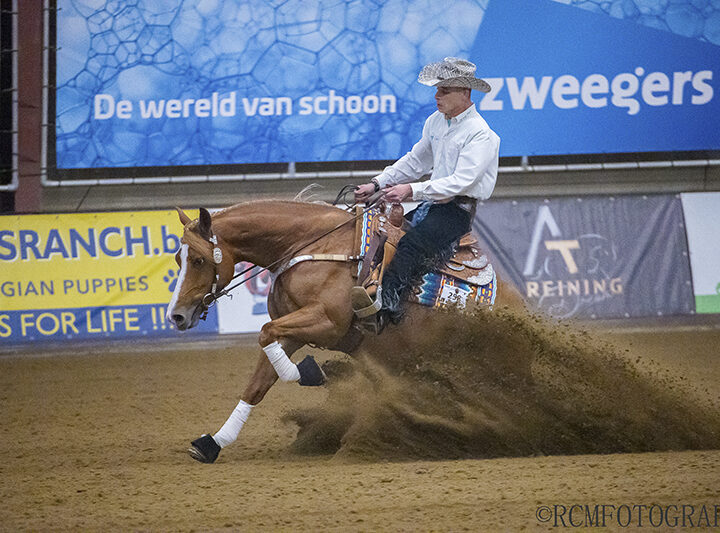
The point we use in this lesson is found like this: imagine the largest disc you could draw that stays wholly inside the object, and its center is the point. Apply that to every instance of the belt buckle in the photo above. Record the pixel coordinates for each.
(465, 202)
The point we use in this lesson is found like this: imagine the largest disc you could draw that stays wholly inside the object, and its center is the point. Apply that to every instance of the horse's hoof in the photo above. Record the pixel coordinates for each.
(311, 375)
(204, 449)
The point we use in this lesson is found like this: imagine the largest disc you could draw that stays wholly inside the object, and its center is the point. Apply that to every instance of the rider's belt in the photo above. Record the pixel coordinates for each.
(466, 202)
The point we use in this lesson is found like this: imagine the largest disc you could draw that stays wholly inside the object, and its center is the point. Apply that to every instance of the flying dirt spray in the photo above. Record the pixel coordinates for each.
(497, 384)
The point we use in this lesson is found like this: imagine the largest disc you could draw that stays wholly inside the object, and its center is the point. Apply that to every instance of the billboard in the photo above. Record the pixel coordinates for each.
(90, 275)
(186, 83)
(593, 257)
(702, 218)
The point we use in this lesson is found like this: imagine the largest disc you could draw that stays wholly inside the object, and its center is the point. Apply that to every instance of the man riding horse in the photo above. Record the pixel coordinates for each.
(310, 299)
(460, 152)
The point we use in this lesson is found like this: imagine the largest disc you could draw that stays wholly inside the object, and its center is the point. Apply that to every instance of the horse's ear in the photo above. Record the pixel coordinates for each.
(204, 223)
(184, 219)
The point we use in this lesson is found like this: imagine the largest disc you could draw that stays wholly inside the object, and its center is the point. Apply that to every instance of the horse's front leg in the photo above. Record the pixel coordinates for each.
(207, 447)
(279, 339)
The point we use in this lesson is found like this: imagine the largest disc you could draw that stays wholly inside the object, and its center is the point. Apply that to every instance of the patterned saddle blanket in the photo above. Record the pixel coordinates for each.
(467, 277)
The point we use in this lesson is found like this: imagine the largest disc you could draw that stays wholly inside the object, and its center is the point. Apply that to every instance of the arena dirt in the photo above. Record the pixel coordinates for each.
(476, 433)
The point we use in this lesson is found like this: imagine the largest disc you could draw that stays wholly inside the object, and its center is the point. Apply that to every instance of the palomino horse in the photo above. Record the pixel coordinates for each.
(310, 302)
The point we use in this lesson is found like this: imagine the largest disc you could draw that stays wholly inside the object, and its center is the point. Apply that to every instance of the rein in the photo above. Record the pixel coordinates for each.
(213, 296)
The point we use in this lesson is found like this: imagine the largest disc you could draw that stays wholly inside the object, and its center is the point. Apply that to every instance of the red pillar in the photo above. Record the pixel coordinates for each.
(28, 197)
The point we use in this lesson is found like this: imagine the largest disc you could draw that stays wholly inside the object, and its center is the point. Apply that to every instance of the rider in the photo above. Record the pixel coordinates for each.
(460, 152)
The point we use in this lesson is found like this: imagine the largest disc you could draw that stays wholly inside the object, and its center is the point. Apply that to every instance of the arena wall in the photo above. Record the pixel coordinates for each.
(110, 275)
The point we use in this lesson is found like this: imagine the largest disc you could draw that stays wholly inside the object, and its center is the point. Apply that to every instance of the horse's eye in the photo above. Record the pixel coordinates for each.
(198, 262)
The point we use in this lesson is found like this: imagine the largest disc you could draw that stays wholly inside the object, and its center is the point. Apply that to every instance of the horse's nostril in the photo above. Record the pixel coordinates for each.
(178, 319)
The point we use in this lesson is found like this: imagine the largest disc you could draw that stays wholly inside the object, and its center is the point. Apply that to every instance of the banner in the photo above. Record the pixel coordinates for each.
(100, 275)
(569, 80)
(148, 84)
(592, 257)
(245, 310)
(88, 275)
(702, 217)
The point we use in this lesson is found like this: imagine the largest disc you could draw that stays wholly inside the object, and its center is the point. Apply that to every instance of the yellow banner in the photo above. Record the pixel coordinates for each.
(88, 259)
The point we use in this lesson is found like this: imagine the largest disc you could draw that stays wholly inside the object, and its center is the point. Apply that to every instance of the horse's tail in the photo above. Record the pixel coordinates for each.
(309, 194)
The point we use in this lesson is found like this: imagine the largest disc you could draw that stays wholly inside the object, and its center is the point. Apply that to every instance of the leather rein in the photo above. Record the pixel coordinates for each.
(214, 295)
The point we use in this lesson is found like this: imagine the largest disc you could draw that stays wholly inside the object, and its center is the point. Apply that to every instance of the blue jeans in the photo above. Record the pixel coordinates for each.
(421, 249)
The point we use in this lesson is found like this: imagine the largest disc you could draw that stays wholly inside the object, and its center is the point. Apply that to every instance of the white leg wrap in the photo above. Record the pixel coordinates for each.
(285, 368)
(231, 428)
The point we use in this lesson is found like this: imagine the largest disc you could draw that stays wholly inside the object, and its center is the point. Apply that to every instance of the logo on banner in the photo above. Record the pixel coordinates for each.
(87, 275)
(565, 274)
(628, 90)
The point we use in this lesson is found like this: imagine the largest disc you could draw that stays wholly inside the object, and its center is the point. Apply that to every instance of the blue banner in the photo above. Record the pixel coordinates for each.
(116, 322)
(147, 84)
(567, 80)
(593, 257)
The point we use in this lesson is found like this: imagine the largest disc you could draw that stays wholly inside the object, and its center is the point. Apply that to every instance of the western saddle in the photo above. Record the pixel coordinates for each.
(376, 239)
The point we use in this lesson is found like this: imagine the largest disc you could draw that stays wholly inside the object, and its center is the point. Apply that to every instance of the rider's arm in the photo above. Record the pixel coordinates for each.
(475, 173)
(410, 167)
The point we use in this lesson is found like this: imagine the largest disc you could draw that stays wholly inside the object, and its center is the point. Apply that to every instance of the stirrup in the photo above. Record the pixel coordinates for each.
(362, 304)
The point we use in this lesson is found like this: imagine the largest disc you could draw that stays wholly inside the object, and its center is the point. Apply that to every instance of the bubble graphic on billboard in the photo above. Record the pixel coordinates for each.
(247, 82)
(147, 84)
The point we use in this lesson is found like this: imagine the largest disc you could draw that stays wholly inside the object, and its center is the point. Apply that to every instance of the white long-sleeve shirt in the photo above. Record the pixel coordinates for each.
(462, 156)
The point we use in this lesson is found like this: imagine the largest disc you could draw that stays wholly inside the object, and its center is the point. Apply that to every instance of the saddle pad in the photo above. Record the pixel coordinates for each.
(440, 290)
(363, 237)
(367, 222)
(440, 287)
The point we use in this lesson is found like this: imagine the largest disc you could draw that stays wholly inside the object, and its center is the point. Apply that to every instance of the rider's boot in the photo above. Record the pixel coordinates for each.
(375, 314)
(391, 311)
(365, 308)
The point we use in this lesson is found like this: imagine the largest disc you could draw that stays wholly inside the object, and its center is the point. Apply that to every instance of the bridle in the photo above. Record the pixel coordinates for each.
(217, 260)
(214, 295)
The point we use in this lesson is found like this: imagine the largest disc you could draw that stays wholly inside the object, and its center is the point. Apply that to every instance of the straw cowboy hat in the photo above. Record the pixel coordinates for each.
(452, 72)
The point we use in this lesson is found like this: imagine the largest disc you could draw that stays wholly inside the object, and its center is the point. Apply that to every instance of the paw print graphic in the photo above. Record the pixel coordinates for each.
(171, 279)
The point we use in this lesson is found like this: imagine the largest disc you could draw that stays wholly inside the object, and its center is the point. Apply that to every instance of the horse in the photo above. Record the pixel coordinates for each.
(309, 302)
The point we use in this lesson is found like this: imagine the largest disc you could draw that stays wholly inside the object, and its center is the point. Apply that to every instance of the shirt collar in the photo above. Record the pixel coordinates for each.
(462, 116)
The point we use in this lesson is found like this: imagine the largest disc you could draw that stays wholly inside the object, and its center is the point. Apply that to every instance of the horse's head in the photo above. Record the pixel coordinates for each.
(204, 269)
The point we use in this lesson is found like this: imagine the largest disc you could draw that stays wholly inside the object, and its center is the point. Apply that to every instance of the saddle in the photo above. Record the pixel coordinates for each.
(467, 274)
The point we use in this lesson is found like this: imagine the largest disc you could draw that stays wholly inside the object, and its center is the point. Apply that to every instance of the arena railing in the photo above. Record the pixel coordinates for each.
(8, 96)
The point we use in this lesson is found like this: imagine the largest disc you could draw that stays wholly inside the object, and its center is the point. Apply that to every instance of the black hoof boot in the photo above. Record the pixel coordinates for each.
(311, 375)
(204, 449)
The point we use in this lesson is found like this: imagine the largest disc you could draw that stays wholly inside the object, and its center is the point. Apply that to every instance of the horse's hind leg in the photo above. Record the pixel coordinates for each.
(509, 296)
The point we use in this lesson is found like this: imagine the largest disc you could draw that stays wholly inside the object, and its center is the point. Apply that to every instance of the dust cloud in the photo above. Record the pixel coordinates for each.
(502, 384)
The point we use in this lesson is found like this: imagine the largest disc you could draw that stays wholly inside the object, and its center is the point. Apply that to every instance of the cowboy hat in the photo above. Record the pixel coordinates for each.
(452, 72)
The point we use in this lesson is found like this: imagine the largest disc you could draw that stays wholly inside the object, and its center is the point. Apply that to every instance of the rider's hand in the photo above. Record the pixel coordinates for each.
(398, 193)
(364, 192)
